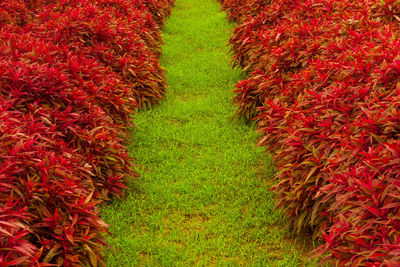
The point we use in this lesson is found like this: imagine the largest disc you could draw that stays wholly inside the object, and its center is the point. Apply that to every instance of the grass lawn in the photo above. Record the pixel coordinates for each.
(203, 196)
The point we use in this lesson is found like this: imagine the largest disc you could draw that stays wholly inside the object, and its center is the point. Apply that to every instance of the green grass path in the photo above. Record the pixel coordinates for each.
(202, 198)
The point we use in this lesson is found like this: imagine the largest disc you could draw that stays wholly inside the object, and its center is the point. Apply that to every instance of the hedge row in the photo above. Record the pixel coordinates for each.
(72, 73)
(324, 88)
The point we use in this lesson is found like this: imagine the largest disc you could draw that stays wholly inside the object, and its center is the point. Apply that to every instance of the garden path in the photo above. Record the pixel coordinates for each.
(202, 197)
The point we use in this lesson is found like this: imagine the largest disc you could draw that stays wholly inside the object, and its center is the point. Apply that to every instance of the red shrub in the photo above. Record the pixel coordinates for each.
(145, 26)
(66, 99)
(239, 11)
(13, 233)
(281, 42)
(93, 32)
(102, 85)
(327, 89)
(159, 9)
(48, 182)
(14, 12)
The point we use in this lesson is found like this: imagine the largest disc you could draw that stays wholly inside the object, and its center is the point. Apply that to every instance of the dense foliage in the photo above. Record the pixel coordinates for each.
(72, 73)
(324, 88)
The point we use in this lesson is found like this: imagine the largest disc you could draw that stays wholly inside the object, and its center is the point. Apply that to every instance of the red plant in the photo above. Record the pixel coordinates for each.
(50, 190)
(239, 11)
(93, 31)
(66, 102)
(324, 89)
(13, 232)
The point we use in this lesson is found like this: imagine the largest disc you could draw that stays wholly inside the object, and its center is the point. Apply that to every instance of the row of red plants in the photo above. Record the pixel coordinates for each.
(324, 87)
(72, 73)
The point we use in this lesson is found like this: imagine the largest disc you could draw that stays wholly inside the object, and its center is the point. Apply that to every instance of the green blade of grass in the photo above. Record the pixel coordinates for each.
(203, 197)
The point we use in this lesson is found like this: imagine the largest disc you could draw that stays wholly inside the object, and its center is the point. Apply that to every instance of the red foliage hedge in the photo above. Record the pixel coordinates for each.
(71, 75)
(113, 37)
(239, 10)
(324, 87)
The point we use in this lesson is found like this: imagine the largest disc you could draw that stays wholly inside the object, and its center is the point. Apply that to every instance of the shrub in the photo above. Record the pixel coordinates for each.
(47, 185)
(66, 101)
(239, 11)
(89, 30)
(326, 91)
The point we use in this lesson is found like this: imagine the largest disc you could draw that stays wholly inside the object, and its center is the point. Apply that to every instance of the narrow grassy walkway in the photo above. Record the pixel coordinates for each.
(202, 198)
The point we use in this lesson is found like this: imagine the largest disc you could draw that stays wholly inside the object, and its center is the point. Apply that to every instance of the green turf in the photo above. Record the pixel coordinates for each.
(203, 196)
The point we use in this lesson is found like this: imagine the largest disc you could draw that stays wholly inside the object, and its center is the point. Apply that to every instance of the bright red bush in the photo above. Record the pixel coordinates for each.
(48, 185)
(66, 100)
(326, 90)
(14, 12)
(239, 11)
(114, 40)
(159, 9)
(102, 85)
(62, 151)
(280, 42)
